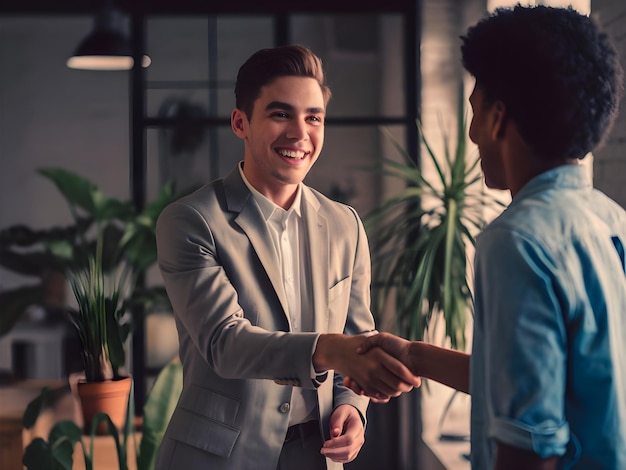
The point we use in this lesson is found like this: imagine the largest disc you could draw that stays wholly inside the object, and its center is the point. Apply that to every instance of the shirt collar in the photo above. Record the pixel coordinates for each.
(268, 207)
(561, 177)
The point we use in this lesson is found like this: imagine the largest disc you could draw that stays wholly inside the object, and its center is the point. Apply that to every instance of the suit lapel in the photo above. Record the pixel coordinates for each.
(251, 221)
(317, 229)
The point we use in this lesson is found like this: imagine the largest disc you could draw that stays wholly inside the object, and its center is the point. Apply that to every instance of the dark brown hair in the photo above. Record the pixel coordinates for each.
(266, 65)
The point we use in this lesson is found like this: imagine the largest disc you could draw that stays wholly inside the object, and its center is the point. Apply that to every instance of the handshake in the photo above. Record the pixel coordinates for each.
(383, 366)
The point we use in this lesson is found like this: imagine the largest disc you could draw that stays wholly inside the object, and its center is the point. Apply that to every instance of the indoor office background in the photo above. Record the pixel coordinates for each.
(388, 63)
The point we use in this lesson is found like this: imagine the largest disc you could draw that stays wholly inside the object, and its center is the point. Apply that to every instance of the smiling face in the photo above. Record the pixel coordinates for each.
(284, 136)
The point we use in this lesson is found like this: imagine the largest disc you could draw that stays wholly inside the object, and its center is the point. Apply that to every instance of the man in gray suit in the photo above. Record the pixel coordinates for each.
(269, 281)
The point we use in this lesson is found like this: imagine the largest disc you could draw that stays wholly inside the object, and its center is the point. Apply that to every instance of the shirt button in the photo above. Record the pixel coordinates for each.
(284, 408)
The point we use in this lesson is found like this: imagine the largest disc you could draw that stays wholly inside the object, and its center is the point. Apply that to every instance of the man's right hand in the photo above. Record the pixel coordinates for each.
(378, 374)
(446, 366)
(393, 345)
(399, 348)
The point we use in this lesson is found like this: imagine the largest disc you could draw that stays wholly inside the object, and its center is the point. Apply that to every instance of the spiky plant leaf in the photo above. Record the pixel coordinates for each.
(419, 252)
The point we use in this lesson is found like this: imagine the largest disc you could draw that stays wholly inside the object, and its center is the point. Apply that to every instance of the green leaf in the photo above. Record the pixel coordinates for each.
(38, 456)
(57, 453)
(116, 334)
(157, 412)
(33, 409)
(61, 249)
(76, 190)
(63, 454)
(107, 209)
(65, 430)
(27, 251)
(418, 252)
(113, 432)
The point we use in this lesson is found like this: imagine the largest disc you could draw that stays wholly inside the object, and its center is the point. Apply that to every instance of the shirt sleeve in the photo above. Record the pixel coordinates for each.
(519, 309)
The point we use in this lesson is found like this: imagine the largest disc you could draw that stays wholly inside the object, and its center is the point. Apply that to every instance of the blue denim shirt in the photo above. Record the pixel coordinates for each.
(548, 368)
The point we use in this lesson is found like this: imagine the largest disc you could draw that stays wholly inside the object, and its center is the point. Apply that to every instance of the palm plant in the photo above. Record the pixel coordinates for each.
(99, 319)
(419, 251)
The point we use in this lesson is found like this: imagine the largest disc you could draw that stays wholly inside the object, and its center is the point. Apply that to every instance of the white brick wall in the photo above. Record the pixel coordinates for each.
(610, 160)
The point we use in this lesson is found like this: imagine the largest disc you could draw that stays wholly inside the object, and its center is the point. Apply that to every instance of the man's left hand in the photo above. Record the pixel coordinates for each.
(347, 435)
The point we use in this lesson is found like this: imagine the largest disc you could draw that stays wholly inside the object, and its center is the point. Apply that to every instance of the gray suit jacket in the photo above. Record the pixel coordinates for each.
(240, 362)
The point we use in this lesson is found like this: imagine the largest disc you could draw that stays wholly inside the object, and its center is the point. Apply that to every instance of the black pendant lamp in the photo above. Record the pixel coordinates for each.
(107, 47)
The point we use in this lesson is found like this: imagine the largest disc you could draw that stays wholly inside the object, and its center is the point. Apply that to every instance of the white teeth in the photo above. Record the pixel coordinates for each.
(292, 154)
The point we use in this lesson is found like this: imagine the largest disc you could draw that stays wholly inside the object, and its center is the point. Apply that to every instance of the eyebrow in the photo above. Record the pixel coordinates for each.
(288, 107)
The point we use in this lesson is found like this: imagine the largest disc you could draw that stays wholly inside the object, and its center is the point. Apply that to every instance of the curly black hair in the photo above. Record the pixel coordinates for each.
(556, 72)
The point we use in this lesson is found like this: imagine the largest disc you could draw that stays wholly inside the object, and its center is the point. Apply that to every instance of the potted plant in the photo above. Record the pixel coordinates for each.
(419, 243)
(58, 450)
(419, 251)
(420, 238)
(37, 253)
(101, 254)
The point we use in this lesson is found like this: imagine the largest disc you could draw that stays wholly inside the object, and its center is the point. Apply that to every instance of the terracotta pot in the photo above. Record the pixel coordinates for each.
(110, 397)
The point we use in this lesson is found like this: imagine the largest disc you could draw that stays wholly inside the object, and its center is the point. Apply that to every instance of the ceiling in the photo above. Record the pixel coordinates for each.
(206, 7)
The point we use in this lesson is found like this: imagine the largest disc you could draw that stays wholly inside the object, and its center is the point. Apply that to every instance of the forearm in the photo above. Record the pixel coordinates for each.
(445, 366)
(328, 353)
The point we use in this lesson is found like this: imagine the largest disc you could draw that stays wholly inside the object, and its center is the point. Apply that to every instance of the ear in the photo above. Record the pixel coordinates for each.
(498, 120)
(238, 123)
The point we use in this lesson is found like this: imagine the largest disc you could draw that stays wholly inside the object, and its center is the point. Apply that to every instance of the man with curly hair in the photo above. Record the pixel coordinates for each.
(547, 372)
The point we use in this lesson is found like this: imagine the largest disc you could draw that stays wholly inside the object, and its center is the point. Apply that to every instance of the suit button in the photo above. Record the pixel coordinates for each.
(284, 408)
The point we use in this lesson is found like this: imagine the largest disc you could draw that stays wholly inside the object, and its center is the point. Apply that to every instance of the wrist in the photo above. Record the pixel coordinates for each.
(321, 359)
(421, 366)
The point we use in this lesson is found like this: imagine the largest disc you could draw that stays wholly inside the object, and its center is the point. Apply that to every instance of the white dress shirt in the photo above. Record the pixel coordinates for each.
(290, 241)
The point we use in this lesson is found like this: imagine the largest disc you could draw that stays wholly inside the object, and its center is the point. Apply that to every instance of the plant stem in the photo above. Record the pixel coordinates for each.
(449, 247)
